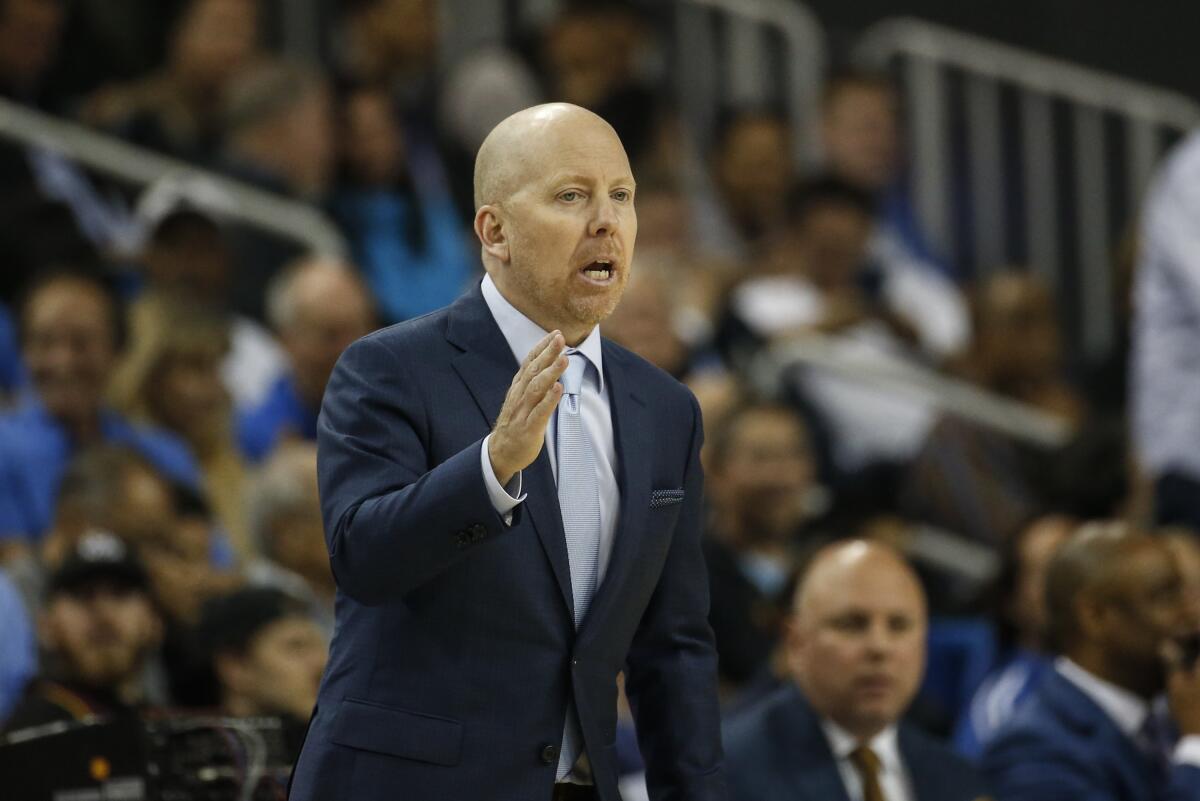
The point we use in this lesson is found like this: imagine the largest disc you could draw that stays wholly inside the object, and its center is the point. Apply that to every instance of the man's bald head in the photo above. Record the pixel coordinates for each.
(517, 146)
(832, 571)
(856, 643)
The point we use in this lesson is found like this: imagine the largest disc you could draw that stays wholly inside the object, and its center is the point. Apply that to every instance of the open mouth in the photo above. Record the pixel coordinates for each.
(600, 271)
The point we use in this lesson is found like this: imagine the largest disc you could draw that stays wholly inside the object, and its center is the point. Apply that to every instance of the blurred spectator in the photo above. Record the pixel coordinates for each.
(393, 43)
(668, 251)
(317, 308)
(1092, 728)
(18, 657)
(1021, 630)
(187, 259)
(99, 628)
(761, 484)
(643, 322)
(278, 129)
(285, 516)
(279, 134)
(861, 134)
(855, 651)
(591, 59)
(977, 482)
(71, 334)
(1166, 327)
(30, 31)
(34, 176)
(395, 207)
(1018, 350)
(177, 109)
(860, 129)
(268, 657)
(174, 381)
(820, 287)
(752, 172)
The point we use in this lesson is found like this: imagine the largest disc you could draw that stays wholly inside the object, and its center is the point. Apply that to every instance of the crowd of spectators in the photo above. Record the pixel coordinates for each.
(162, 366)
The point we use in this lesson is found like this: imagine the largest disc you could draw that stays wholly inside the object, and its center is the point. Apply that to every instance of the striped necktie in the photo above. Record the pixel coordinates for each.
(579, 502)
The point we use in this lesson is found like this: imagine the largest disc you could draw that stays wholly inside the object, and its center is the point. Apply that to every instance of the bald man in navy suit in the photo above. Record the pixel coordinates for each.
(512, 509)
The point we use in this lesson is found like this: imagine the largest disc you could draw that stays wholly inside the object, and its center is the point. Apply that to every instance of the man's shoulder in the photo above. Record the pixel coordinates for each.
(917, 743)
(653, 382)
(760, 721)
(409, 337)
(1056, 719)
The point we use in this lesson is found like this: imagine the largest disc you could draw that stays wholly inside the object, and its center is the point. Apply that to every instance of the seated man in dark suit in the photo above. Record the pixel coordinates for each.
(1092, 729)
(856, 652)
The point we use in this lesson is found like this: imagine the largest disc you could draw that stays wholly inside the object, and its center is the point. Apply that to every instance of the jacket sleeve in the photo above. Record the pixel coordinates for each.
(671, 671)
(393, 520)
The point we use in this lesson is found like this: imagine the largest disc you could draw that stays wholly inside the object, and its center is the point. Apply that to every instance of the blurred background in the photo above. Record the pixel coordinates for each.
(901, 252)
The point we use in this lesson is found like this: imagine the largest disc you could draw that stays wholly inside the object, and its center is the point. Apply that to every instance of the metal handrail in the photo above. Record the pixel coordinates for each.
(949, 395)
(1052, 76)
(285, 218)
(1092, 99)
(805, 68)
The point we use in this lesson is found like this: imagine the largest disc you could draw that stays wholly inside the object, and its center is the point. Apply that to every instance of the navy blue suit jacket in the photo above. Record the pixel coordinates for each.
(776, 750)
(454, 651)
(1061, 746)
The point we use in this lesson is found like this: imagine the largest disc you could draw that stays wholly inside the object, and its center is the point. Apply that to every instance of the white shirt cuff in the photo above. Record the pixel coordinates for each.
(504, 498)
(1187, 751)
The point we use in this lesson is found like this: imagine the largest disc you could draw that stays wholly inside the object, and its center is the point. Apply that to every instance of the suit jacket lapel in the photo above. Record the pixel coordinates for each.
(487, 366)
(804, 754)
(633, 428)
(1120, 753)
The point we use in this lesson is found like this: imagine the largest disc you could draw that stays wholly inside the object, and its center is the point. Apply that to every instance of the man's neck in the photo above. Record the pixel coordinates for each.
(1096, 665)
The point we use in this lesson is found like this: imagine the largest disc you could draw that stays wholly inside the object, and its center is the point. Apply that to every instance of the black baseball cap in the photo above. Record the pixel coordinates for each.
(99, 555)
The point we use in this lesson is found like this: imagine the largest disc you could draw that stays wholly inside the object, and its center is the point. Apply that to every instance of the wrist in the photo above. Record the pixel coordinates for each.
(502, 471)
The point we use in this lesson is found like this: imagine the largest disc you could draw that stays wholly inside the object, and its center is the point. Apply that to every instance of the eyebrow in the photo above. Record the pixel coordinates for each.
(583, 179)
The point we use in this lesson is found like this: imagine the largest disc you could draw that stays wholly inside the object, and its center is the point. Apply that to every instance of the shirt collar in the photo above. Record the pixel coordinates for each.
(1126, 709)
(886, 744)
(522, 334)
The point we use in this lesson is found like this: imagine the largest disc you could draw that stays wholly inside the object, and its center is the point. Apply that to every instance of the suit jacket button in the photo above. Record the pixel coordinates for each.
(550, 755)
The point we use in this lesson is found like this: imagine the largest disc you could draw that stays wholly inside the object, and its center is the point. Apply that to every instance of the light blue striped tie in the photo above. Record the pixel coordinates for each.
(579, 501)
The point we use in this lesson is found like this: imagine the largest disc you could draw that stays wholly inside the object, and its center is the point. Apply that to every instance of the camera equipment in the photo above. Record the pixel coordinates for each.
(168, 759)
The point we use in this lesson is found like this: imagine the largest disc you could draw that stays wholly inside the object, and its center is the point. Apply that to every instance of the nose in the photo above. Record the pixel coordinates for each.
(604, 218)
(878, 639)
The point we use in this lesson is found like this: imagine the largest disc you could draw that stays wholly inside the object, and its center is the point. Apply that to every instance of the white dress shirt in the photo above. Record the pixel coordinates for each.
(522, 334)
(1165, 379)
(893, 778)
(1125, 709)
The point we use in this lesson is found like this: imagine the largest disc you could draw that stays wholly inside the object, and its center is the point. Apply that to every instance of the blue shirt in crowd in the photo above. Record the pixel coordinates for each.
(18, 656)
(12, 369)
(35, 450)
(260, 428)
(1008, 686)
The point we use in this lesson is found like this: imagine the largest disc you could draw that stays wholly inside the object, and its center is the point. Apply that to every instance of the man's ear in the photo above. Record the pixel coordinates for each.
(1092, 616)
(490, 229)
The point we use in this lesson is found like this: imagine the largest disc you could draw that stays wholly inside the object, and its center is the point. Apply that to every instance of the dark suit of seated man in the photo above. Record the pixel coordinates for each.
(856, 651)
(1094, 729)
(506, 543)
